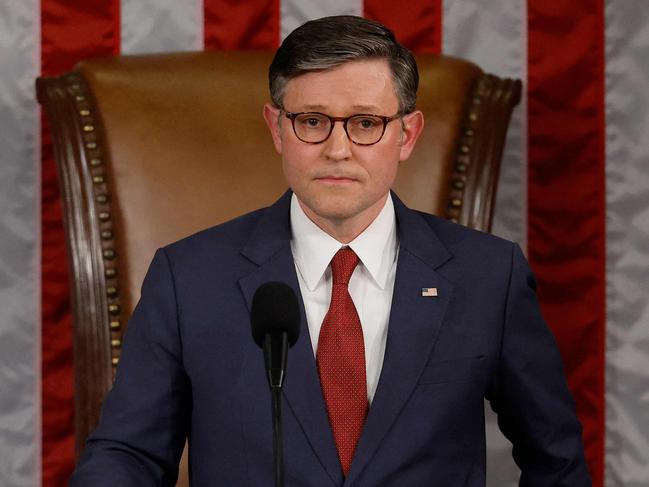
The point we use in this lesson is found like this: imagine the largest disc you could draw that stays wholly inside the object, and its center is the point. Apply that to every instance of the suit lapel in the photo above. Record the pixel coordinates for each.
(414, 324)
(270, 248)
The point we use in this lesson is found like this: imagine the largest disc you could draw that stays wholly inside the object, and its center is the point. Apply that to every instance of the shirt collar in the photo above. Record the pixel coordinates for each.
(313, 248)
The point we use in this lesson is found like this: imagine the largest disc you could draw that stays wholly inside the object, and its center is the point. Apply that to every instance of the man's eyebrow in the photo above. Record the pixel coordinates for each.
(367, 108)
(354, 108)
(312, 108)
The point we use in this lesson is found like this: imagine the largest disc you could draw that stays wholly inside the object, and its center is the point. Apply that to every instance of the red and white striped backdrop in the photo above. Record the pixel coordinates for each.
(574, 191)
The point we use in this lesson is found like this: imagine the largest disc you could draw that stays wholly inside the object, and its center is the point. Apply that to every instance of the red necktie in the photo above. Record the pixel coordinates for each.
(341, 361)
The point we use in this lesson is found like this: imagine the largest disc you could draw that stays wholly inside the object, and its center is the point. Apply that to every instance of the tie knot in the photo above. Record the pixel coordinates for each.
(343, 265)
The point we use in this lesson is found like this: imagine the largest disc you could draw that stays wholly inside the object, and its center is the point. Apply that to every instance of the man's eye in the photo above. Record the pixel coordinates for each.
(311, 122)
(367, 123)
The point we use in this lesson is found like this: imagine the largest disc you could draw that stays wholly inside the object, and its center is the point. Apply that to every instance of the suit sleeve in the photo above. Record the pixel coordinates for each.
(145, 416)
(530, 394)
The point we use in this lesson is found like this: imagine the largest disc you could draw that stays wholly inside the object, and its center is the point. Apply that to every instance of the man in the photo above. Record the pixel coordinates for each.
(408, 321)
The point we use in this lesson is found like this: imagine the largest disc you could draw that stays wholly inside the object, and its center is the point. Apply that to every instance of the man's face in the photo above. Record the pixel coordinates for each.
(338, 182)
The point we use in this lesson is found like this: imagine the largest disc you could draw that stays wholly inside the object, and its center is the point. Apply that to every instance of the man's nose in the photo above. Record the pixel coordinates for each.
(338, 146)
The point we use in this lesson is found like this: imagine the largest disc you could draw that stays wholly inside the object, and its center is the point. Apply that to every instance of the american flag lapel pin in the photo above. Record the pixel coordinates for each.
(429, 291)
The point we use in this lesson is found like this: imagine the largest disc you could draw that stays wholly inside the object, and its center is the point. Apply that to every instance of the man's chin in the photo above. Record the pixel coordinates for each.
(334, 213)
(333, 210)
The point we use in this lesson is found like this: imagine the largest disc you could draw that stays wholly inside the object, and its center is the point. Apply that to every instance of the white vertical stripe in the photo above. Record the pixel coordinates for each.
(161, 26)
(495, 38)
(19, 243)
(627, 251)
(37, 258)
(294, 13)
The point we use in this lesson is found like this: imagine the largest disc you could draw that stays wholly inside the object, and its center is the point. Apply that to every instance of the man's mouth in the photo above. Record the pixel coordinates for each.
(335, 179)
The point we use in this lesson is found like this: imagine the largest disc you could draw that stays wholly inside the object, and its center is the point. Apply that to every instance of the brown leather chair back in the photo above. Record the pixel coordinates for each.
(152, 148)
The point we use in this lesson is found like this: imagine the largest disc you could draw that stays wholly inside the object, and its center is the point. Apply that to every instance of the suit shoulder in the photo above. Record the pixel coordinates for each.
(230, 235)
(458, 237)
(478, 256)
(451, 232)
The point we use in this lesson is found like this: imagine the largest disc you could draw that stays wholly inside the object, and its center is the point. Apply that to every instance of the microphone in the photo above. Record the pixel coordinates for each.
(275, 323)
(275, 320)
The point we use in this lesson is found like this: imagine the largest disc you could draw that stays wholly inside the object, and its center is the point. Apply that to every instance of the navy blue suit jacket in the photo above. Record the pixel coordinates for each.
(189, 368)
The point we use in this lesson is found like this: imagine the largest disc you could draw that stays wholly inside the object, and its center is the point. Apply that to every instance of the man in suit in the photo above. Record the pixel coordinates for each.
(408, 321)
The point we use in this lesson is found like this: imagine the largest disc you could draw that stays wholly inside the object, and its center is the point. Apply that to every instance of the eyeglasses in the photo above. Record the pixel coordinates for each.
(361, 129)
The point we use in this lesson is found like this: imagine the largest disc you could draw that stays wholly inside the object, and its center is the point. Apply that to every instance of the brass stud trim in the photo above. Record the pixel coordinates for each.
(114, 360)
(464, 154)
(84, 116)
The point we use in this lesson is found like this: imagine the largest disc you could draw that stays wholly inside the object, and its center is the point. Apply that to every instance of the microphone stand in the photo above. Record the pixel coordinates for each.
(275, 355)
(278, 447)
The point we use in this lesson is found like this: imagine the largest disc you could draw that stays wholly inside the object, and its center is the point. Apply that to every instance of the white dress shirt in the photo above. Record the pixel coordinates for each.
(370, 286)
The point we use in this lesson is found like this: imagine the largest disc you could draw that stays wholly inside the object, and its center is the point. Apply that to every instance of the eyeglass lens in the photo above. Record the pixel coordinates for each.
(316, 127)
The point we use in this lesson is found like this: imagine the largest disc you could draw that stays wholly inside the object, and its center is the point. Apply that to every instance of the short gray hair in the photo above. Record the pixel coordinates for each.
(328, 42)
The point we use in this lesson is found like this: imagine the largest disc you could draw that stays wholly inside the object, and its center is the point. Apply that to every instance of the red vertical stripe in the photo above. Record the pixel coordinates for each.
(70, 31)
(566, 195)
(241, 25)
(417, 24)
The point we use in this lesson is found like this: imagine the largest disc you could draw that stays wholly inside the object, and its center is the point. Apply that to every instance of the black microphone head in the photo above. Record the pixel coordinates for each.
(275, 309)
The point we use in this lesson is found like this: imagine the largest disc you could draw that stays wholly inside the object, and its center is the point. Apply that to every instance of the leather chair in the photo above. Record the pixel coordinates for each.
(151, 148)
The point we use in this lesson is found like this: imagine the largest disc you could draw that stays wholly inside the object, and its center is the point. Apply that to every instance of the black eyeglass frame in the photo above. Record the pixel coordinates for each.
(332, 120)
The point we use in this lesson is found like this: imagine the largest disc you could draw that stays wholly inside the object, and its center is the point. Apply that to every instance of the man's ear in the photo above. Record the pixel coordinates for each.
(413, 124)
(271, 116)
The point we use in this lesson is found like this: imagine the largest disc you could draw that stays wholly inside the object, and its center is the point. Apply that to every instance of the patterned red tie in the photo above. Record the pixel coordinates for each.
(341, 361)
